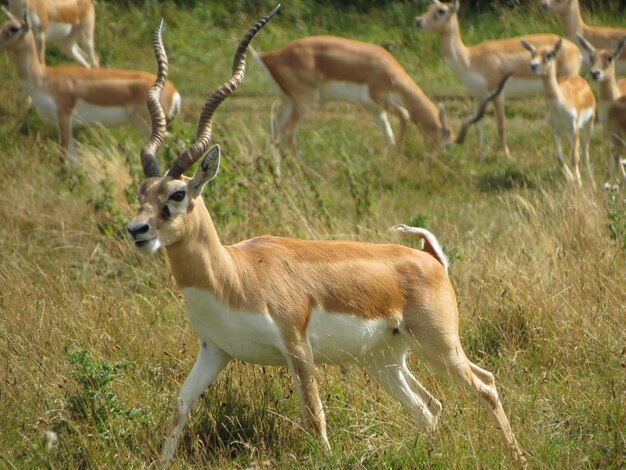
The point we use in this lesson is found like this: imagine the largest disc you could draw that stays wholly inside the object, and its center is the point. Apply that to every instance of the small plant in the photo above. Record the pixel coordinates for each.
(111, 220)
(94, 403)
(616, 224)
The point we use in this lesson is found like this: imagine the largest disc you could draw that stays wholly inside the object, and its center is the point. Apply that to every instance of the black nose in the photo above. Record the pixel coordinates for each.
(534, 67)
(419, 22)
(135, 229)
(595, 74)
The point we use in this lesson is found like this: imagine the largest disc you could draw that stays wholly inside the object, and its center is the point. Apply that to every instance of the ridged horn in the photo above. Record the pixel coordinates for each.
(203, 135)
(157, 115)
(480, 110)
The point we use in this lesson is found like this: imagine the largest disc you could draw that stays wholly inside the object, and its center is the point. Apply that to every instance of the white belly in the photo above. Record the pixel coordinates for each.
(335, 338)
(58, 31)
(338, 338)
(109, 116)
(346, 91)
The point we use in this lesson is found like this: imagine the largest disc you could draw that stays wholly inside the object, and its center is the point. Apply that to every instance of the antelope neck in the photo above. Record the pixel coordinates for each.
(199, 259)
(452, 45)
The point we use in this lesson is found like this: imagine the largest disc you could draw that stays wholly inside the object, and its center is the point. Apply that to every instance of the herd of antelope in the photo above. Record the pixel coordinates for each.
(297, 303)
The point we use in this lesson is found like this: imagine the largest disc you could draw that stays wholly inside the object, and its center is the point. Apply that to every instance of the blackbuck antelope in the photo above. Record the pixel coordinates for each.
(282, 301)
(329, 68)
(599, 37)
(603, 72)
(616, 124)
(571, 107)
(64, 23)
(75, 96)
(482, 66)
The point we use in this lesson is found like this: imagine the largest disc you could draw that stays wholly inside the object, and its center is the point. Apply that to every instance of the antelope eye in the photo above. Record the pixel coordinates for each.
(178, 196)
(14, 29)
(609, 59)
(441, 11)
(549, 56)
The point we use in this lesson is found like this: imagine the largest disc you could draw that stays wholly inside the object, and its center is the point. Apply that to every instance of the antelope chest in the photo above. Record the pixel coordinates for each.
(561, 119)
(43, 102)
(335, 338)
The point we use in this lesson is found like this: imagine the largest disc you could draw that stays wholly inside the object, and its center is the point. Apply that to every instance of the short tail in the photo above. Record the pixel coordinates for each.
(175, 106)
(431, 245)
(266, 71)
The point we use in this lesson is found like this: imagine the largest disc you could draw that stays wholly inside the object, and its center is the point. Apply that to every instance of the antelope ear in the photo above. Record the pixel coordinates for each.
(456, 6)
(207, 170)
(528, 46)
(619, 47)
(557, 46)
(585, 44)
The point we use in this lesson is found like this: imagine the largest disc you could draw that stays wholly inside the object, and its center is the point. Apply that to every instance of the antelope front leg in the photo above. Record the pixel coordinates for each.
(500, 116)
(559, 155)
(575, 155)
(302, 369)
(209, 364)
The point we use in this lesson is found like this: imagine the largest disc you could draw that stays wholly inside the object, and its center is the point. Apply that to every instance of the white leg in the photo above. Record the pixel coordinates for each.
(500, 116)
(382, 122)
(559, 155)
(391, 373)
(209, 364)
(586, 136)
(480, 136)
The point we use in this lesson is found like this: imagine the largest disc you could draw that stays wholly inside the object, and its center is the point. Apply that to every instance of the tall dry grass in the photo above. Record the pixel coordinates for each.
(94, 343)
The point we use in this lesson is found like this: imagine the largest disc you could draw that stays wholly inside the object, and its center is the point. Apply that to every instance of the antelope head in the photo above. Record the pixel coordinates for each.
(543, 59)
(166, 203)
(602, 60)
(13, 31)
(438, 16)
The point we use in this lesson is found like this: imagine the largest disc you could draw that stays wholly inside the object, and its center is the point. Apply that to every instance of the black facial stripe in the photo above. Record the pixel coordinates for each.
(165, 212)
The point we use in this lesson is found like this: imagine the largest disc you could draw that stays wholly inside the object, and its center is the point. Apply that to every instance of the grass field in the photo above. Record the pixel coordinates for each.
(94, 341)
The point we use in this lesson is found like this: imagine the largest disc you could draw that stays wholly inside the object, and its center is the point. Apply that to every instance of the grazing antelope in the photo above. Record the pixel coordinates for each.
(603, 71)
(329, 68)
(599, 36)
(482, 66)
(282, 301)
(616, 124)
(74, 96)
(571, 106)
(62, 22)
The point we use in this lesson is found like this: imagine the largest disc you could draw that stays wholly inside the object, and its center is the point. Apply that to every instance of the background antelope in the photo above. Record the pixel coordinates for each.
(74, 96)
(571, 107)
(616, 124)
(65, 23)
(602, 62)
(283, 301)
(601, 37)
(481, 67)
(329, 68)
